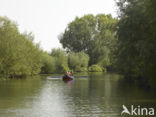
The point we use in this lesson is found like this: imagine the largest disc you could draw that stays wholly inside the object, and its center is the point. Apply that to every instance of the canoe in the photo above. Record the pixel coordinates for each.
(68, 77)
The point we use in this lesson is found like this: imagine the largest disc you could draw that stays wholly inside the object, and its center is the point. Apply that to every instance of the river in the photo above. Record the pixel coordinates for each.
(89, 95)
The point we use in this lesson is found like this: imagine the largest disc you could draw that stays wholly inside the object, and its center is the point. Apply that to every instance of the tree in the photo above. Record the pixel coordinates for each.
(19, 56)
(94, 35)
(79, 33)
(136, 38)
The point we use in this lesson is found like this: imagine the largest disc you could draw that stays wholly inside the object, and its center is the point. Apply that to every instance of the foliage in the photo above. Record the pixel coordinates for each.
(19, 56)
(96, 68)
(137, 38)
(78, 61)
(127, 45)
(61, 60)
(48, 64)
(95, 35)
(77, 36)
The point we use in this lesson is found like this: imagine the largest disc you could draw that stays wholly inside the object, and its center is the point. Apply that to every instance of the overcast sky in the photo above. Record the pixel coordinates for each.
(48, 18)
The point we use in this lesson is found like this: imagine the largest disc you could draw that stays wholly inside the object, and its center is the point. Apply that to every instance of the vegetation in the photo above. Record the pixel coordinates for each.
(48, 64)
(95, 35)
(136, 55)
(91, 43)
(96, 68)
(78, 61)
(19, 56)
(61, 60)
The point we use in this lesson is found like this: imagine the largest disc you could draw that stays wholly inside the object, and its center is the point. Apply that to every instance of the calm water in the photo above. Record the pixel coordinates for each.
(89, 95)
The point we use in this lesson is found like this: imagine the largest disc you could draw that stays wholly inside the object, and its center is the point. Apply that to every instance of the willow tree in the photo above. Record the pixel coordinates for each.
(19, 56)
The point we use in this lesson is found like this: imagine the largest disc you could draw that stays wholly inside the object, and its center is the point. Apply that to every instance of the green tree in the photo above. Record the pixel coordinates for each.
(79, 34)
(19, 56)
(95, 35)
(136, 38)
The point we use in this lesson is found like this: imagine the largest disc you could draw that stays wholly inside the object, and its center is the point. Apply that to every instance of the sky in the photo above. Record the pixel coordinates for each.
(46, 19)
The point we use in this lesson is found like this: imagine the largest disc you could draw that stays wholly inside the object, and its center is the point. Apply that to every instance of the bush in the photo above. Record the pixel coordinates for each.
(61, 60)
(78, 61)
(48, 64)
(81, 69)
(95, 68)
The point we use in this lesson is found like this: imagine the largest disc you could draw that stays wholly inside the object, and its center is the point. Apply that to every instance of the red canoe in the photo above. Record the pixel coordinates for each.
(67, 77)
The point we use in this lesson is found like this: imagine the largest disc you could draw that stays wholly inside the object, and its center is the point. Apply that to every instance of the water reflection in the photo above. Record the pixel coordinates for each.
(98, 95)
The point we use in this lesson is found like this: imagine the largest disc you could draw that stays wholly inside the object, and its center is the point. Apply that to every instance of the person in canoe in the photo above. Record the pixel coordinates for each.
(69, 73)
(68, 76)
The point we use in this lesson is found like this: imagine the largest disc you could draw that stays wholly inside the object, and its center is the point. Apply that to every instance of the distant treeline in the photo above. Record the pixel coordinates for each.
(126, 44)
(58, 61)
(20, 56)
